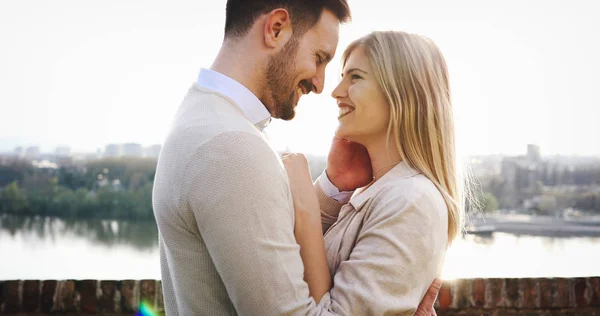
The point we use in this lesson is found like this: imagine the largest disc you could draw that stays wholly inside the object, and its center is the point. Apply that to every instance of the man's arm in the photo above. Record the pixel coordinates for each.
(242, 205)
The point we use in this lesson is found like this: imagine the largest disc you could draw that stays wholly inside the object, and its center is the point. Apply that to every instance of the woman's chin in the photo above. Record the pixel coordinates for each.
(342, 132)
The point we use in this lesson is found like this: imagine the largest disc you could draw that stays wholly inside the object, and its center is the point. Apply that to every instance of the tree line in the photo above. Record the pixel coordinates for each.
(119, 188)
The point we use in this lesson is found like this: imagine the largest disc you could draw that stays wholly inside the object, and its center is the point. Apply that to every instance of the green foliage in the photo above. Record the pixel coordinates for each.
(489, 203)
(13, 199)
(14, 171)
(132, 172)
(482, 202)
(119, 188)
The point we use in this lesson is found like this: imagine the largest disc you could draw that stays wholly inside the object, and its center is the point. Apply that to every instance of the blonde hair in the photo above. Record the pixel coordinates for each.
(413, 76)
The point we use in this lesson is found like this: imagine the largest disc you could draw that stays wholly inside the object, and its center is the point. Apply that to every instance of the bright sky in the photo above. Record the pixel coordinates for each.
(88, 73)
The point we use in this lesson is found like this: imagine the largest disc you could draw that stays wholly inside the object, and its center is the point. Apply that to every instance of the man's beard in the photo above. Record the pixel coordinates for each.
(280, 73)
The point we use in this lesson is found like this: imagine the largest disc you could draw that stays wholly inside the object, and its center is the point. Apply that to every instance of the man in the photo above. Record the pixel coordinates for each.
(221, 197)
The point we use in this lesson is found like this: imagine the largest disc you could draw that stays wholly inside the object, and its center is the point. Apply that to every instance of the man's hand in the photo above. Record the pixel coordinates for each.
(348, 165)
(426, 306)
(301, 186)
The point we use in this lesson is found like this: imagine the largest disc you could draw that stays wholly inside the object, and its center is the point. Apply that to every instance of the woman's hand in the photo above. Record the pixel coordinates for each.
(303, 192)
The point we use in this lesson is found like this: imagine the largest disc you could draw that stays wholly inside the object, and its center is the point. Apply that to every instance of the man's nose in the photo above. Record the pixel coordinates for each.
(318, 82)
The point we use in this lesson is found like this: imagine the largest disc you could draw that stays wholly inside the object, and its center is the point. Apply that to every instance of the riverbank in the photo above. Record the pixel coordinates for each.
(535, 225)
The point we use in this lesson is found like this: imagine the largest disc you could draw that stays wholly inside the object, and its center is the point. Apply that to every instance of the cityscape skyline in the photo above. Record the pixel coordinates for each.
(153, 150)
(9, 146)
(109, 150)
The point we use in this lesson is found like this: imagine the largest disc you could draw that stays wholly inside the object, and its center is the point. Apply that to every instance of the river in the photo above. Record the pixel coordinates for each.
(51, 248)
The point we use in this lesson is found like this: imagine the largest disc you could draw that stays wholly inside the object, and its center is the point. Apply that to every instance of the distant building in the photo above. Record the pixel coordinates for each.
(63, 161)
(152, 151)
(533, 153)
(62, 151)
(484, 167)
(112, 150)
(32, 152)
(132, 149)
(19, 152)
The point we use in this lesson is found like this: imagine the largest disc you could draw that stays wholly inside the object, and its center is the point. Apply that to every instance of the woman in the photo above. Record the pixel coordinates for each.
(388, 243)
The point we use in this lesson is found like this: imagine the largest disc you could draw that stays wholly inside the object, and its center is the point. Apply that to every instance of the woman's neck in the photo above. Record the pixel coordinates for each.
(383, 158)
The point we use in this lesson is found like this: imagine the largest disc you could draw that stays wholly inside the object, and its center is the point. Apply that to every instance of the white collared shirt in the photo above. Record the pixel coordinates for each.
(254, 110)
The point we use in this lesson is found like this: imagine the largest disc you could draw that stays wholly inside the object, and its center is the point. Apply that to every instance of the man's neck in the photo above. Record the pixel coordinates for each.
(234, 62)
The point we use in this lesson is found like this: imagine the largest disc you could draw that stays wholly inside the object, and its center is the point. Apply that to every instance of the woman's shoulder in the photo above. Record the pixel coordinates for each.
(412, 204)
(410, 189)
(415, 194)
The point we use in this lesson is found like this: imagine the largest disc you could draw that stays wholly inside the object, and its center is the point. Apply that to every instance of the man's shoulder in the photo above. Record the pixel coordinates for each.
(199, 94)
(205, 114)
(239, 145)
(195, 142)
(209, 127)
(232, 159)
(202, 100)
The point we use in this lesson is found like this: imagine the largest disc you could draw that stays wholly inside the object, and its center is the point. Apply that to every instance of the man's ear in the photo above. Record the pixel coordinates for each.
(278, 28)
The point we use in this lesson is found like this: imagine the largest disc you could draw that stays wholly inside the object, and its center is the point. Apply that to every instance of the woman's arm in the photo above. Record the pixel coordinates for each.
(307, 227)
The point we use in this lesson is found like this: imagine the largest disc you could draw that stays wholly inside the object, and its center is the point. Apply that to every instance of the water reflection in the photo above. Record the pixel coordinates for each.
(141, 235)
(51, 248)
(480, 239)
(506, 255)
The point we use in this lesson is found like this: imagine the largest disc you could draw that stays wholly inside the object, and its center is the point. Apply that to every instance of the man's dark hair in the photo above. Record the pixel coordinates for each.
(241, 14)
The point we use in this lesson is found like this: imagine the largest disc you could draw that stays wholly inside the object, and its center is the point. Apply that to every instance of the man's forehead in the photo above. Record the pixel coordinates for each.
(329, 47)
(327, 32)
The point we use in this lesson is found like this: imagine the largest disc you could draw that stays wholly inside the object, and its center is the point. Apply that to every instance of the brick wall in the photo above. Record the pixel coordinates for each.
(542, 296)
(557, 296)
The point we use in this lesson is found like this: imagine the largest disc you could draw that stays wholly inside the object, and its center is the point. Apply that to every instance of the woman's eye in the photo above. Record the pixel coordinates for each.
(355, 77)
